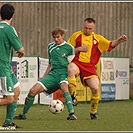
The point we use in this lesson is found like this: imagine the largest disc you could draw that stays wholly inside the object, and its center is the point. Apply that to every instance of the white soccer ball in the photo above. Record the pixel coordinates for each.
(56, 106)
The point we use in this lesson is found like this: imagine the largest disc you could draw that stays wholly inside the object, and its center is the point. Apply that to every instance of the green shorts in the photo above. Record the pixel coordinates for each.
(52, 81)
(8, 83)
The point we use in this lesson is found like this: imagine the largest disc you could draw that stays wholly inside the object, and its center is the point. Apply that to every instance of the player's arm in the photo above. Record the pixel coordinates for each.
(72, 41)
(119, 40)
(49, 65)
(15, 42)
(47, 71)
(81, 49)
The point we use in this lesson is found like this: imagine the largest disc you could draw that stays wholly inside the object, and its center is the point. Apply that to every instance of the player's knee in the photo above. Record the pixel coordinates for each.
(16, 94)
(95, 90)
(65, 90)
(71, 70)
(36, 89)
(17, 91)
(9, 99)
(33, 92)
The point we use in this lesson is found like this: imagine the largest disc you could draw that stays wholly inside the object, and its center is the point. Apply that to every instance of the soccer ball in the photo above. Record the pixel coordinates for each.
(56, 106)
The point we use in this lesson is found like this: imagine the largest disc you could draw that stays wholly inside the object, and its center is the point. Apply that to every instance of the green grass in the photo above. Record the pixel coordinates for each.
(113, 116)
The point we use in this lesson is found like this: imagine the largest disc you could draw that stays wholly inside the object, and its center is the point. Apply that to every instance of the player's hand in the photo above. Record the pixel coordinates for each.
(40, 78)
(122, 38)
(82, 48)
(19, 54)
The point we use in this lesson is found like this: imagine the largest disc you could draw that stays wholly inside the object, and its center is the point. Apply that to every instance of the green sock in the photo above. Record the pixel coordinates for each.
(10, 111)
(28, 103)
(68, 101)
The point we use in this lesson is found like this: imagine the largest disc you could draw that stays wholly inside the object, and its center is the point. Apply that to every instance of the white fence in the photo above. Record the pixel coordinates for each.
(114, 78)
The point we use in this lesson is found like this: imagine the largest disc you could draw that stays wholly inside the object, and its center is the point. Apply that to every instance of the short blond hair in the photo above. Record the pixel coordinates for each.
(58, 30)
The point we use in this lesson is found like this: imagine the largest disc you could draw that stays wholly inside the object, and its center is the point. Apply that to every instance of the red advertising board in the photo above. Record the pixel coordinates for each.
(58, 95)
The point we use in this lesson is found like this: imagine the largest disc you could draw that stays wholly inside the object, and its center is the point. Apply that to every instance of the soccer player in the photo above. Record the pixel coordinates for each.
(8, 81)
(55, 76)
(84, 63)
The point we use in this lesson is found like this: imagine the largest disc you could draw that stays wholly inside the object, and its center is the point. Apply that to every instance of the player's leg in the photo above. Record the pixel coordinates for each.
(68, 101)
(72, 72)
(6, 97)
(63, 84)
(12, 83)
(5, 100)
(93, 83)
(44, 85)
(29, 100)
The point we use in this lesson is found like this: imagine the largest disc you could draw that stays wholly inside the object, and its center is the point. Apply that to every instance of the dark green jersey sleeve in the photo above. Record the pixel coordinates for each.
(13, 38)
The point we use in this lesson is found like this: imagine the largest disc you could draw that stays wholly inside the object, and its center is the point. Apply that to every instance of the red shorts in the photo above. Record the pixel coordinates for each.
(86, 70)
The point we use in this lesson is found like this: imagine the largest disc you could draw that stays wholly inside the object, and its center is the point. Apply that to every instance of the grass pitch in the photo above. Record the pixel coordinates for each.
(113, 116)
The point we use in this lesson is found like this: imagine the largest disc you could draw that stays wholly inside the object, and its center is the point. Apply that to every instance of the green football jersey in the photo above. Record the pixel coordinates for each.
(58, 54)
(8, 41)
